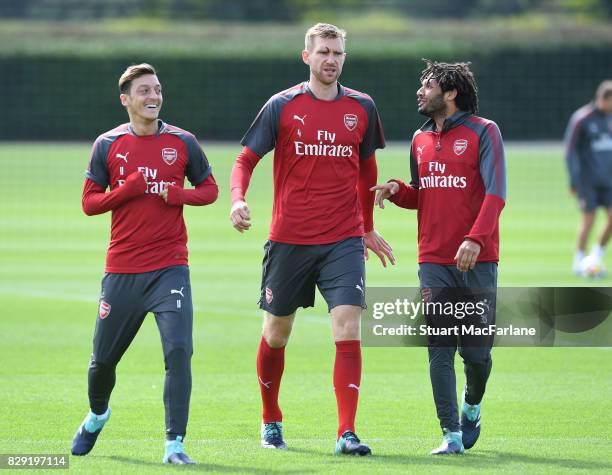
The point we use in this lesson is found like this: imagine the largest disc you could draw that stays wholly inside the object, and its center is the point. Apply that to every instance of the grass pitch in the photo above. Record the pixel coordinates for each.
(546, 410)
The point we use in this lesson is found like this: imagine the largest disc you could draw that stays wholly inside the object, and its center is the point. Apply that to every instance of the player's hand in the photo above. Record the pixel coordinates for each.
(384, 192)
(240, 216)
(379, 246)
(136, 183)
(164, 194)
(467, 254)
(172, 195)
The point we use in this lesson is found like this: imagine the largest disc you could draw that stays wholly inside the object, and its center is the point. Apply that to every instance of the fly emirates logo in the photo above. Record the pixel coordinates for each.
(153, 186)
(437, 178)
(325, 148)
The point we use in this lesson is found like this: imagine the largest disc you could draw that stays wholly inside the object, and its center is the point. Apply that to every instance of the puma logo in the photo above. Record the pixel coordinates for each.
(354, 386)
(301, 119)
(123, 157)
(266, 385)
(180, 292)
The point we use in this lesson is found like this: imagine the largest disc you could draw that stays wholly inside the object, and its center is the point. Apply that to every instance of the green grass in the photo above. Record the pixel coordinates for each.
(546, 410)
(371, 32)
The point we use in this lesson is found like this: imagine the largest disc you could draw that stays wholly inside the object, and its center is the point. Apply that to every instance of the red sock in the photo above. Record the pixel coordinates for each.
(270, 365)
(347, 379)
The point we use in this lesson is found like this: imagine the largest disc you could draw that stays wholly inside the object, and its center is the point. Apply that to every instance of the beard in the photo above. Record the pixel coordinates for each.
(434, 107)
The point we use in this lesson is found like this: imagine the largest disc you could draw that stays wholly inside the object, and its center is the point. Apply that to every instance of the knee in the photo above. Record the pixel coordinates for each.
(346, 322)
(101, 367)
(276, 330)
(178, 352)
(442, 356)
(276, 337)
(177, 357)
(588, 220)
(476, 356)
(347, 330)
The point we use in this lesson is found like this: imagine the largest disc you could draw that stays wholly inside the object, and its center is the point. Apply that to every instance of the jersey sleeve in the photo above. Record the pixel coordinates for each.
(374, 137)
(242, 171)
(261, 136)
(368, 174)
(572, 138)
(493, 173)
(493, 161)
(97, 170)
(414, 168)
(198, 168)
(407, 196)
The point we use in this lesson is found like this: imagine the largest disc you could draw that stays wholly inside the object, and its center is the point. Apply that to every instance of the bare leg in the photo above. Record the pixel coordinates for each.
(588, 218)
(276, 330)
(605, 235)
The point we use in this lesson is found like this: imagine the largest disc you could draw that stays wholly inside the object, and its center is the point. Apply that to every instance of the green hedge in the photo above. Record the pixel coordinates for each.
(529, 93)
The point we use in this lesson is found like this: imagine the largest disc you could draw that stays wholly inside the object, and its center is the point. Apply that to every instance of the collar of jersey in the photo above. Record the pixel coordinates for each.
(161, 128)
(451, 122)
(307, 90)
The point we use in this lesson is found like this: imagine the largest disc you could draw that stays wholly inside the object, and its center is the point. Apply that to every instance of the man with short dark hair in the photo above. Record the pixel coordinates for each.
(459, 189)
(588, 154)
(324, 138)
(144, 163)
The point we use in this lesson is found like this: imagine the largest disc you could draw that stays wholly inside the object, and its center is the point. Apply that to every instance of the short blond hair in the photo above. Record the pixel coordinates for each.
(323, 30)
(132, 72)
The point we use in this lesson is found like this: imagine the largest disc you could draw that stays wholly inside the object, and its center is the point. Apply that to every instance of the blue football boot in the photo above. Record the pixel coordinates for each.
(87, 434)
(174, 453)
(470, 424)
(451, 444)
(349, 444)
(272, 435)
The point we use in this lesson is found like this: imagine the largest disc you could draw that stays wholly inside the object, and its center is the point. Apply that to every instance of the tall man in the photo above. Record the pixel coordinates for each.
(459, 188)
(144, 162)
(324, 137)
(588, 145)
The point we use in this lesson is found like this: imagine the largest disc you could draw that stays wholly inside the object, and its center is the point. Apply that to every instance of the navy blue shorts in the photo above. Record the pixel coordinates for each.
(126, 299)
(592, 197)
(459, 299)
(290, 273)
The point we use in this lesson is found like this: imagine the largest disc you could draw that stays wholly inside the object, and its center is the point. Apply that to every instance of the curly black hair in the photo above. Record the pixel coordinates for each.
(454, 76)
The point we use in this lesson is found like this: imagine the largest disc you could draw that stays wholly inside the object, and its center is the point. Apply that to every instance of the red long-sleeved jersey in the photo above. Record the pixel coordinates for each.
(324, 163)
(458, 187)
(146, 232)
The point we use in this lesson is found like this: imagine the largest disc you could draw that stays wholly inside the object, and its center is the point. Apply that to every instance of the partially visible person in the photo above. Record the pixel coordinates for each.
(588, 152)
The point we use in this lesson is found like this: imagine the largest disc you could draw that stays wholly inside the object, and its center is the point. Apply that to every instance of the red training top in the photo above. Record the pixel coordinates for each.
(458, 186)
(146, 232)
(323, 151)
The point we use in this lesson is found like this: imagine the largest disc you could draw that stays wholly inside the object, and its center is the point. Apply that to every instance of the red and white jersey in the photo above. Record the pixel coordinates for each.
(146, 233)
(317, 147)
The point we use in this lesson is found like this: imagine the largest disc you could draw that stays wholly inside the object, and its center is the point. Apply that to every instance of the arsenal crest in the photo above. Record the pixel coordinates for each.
(104, 309)
(169, 155)
(350, 121)
(269, 295)
(460, 146)
(426, 294)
